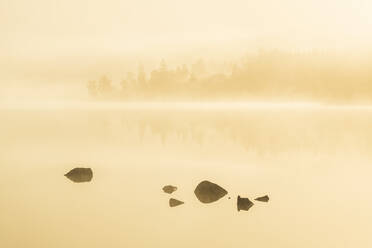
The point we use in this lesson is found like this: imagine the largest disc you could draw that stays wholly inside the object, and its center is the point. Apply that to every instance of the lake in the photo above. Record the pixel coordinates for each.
(313, 161)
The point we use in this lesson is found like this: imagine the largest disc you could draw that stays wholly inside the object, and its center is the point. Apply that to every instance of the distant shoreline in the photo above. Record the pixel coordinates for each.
(178, 105)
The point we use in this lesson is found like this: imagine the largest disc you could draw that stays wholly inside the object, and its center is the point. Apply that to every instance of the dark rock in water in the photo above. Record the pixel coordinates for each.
(80, 175)
(208, 192)
(169, 189)
(244, 204)
(174, 202)
(262, 198)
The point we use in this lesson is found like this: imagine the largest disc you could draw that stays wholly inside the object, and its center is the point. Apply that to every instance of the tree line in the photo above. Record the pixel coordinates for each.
(273, 75)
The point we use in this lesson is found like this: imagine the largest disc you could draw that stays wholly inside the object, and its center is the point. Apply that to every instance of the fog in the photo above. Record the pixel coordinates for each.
(259, 97)
(45, 28)
(313, 162)
(62, 44)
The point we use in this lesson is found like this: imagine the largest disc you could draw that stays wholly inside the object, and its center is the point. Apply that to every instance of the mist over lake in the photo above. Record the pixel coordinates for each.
(314, 163)
(188, 124)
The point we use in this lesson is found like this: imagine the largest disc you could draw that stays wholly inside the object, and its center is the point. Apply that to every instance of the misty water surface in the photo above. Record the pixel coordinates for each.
(314, 163)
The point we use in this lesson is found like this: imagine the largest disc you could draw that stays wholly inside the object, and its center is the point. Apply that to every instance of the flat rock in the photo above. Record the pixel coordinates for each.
(80, 175)
(264, 198)
(169, 189)
(208, 192)
(174, 202)
(244, 203)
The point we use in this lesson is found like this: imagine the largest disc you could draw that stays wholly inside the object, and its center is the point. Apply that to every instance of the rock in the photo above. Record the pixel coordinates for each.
(80, 175)
(262, 198)
(169, 189)
(208, 192)
(174, 202)
(244, 204)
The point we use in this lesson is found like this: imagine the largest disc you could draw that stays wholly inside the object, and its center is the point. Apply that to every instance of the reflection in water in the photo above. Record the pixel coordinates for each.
(264, 133)
(259, 132)
(174, 202)
(80, 175)
(169, 189)
(208, 192)
(312, 155)
(244, 203)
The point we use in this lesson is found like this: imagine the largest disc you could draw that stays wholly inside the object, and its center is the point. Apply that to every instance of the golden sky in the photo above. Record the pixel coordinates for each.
(51, 27)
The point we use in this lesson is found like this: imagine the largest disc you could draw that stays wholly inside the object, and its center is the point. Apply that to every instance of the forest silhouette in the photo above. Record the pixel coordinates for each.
(271, 75)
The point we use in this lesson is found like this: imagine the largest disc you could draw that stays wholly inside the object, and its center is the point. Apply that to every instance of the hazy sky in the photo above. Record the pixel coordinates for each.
(50, 27)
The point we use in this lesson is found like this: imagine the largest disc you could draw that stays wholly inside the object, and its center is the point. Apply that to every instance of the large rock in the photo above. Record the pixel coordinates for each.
(169, 189)
(264, 198)
(80, 175)
(208, 192)
(244, 203)
(174, 202)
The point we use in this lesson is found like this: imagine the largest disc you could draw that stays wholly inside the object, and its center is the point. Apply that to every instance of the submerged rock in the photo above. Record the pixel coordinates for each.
(208, 192)
(80, 175)
(264, 198)
(174, 202)
(244, 204)
(169, 189)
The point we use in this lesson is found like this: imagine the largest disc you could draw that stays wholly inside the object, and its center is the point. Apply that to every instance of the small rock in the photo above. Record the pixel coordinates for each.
(169, 189)
(208, 192)
(244, 204)
(263, 198)
(80, 175)
(174, 202)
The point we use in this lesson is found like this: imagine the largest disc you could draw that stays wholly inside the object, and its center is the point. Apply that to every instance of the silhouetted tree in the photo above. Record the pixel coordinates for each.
(92, 88)
(141, 78)
(266, 74)
(104, 86)
(198, 68)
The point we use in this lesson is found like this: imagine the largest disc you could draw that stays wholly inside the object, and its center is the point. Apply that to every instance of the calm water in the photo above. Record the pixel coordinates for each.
(314, 163)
